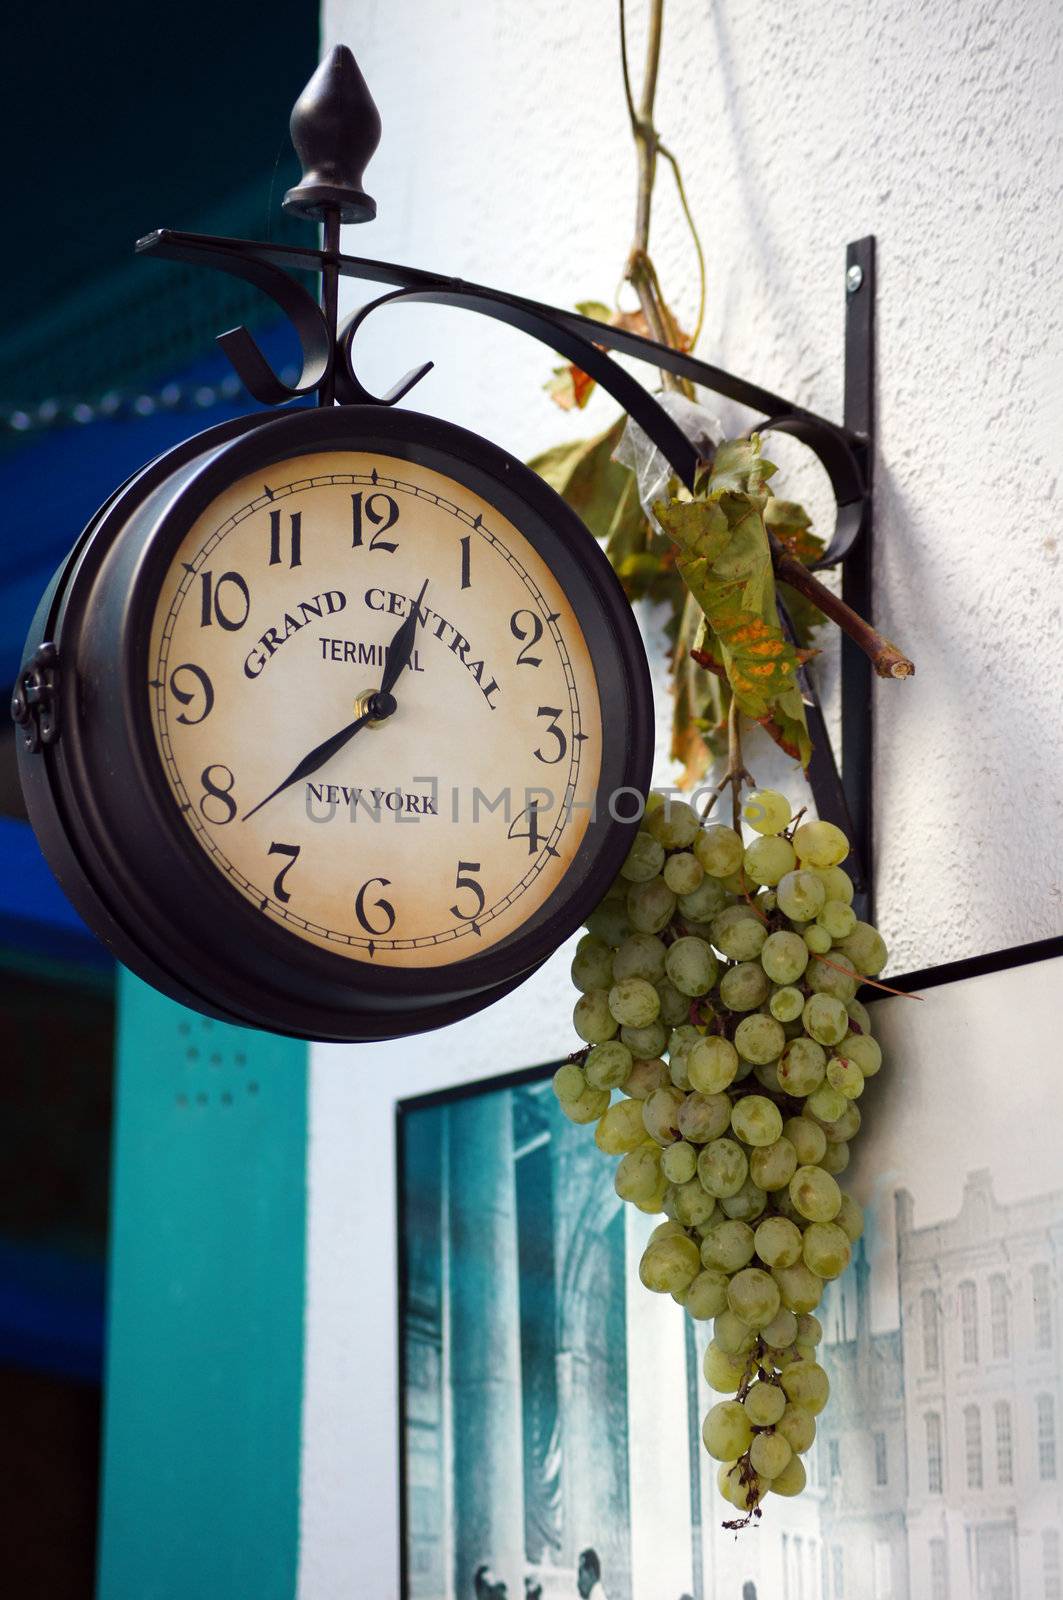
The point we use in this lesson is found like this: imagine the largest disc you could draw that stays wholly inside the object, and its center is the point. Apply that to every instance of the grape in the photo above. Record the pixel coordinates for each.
(815, 1194)
(644, 860)
(726, 1431)
(669, 1264)
(608, 1065)
(592, 965)
(747, 1205)
(767, 1075)
(722, 1168)
(864, 1052)
(634, 1002)
(739, 1486)
(766, 901)
(821, 844)
(826, 1103)
(807, 1385)
(866, 950)
(733, 1335)
(787, 1004)
(745, 987)
(784, 957)
(756, 1120)
(800, 896)
(703, 1117)
(861, 1017)
(834, 976)
(809, 1329)
(691, 966)
(838, 918)
(728, 1246)
(645, 1043)
(666, 1230)
(850, 1218)
(802, 1066)
(588, 1107)
(650, 905)
(837, 882)
(772, 1166)
(621, 1128)
(753, 1295)
(640, 956)
(768, 859)
(765, 1404)
(684, 872)
(817, 939)
(769, 1455)
(609, 923)
(846, 1127)
(807, 1138)
(778, 1242)
(723, 1372)
(679, 1162)
(826, 1019)
(644, 1077)
(638, 1177)
(835, 1158)
(707, 1295)
(798, 1427)
(655, 1203)
(799, 1287)
(693, 1207)
(781, 1331)
(826, 1249)
(719, 850)
(711, 1064)
(766, 810)
(569, 1081)
(791, 1480)
(676, 824)
(759, 1038)
(675, 1007)
(659, 1112)
(592, 1019)
(738, 932)
(703, 903)
(844, 1075)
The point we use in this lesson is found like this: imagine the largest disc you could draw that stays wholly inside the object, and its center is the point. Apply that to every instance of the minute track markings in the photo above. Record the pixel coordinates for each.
(547, 851)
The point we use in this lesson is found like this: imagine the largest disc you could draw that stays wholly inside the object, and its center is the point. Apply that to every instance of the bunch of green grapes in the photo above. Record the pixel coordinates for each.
(725, 1056)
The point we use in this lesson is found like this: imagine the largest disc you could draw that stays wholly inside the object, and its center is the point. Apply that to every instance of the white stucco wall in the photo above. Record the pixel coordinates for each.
(506, 159)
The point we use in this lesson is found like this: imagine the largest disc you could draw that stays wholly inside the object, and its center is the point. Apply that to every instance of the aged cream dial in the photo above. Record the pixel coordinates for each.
(435, 830)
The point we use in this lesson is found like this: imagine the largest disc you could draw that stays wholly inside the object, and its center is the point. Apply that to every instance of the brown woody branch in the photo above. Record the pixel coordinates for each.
(887, 660)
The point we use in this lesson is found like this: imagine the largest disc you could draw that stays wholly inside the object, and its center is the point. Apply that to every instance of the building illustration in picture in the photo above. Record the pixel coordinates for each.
(552, 1407)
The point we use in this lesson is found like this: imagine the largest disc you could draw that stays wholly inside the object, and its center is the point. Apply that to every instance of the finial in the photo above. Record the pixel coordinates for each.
(335, 129)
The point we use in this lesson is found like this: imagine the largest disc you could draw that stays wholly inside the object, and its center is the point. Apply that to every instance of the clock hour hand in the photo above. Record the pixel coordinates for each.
(380, 706)
(400, 649)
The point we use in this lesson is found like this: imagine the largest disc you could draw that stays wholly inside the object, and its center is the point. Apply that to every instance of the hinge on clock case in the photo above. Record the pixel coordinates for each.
(35, 701)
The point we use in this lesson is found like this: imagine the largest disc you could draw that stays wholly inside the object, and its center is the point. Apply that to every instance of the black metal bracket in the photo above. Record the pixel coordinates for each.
(35, 701)
(336, 127)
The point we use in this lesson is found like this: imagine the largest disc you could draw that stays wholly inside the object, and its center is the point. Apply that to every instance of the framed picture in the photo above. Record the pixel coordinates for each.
(551, 1408)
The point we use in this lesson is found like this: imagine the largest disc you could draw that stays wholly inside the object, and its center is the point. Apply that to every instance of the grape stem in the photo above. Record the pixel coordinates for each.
(905, 994)
(736, 774)
(887, 660)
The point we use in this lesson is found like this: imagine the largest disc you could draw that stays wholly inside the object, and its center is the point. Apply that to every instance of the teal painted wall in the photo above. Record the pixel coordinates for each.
(205, 1321)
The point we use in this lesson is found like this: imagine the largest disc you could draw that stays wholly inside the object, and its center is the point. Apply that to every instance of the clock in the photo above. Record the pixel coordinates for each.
(335, 723)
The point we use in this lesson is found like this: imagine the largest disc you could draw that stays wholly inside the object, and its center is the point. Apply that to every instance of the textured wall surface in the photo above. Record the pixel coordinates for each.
(506, 159)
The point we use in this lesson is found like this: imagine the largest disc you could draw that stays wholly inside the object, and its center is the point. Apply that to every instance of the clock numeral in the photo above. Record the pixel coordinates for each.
(385, 907)
(214, 789)
(212, 608)
(464, 880)
(562, 742)
(186, 696)
(295, 558)
(466, 560)
(381, 512)
(292, 850)
(531, 833)
(529, 637)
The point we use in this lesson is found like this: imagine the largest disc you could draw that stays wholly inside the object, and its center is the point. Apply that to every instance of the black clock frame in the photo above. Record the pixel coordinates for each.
(102, 808)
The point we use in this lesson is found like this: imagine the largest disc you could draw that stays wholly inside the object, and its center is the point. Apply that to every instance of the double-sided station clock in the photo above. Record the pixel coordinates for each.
(351, 718)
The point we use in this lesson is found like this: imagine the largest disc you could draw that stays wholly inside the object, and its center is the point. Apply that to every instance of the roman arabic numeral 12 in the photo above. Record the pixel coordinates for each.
(381, 512)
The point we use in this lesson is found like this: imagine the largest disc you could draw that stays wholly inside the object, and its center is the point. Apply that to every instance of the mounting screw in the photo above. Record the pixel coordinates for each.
(854, 278)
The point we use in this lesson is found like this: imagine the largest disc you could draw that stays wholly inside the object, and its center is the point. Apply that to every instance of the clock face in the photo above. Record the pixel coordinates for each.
(430, 834)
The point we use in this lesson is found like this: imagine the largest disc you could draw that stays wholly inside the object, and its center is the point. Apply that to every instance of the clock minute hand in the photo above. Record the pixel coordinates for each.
(328, 747)
(400, 649)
